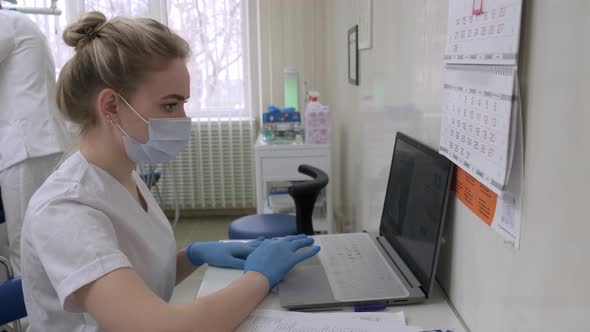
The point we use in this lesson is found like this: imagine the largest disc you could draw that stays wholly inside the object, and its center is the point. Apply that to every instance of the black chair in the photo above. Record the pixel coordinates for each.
(304, 193)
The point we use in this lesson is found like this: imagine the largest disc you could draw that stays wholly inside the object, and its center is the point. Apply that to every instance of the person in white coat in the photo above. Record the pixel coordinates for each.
(32, 135)
(98, 254)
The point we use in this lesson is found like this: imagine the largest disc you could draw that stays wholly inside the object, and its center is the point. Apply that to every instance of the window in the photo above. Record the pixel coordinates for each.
(138, 8)
(52, 27)
(213, 28)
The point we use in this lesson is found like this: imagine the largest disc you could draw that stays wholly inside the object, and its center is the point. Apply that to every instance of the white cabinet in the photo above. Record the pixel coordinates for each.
(278, 163)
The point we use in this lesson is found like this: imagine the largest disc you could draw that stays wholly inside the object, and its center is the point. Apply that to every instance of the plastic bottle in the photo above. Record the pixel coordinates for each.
(313, 103)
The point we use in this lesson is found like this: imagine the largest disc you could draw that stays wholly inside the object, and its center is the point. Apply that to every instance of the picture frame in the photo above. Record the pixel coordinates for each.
(365, 33)
(353, 56)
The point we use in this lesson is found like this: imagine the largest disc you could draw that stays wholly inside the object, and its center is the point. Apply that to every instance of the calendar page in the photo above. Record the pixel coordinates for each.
(483, 31)
(475, 131)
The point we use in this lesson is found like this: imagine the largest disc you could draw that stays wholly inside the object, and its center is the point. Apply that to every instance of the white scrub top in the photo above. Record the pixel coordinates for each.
(80, 225)
(30, 125)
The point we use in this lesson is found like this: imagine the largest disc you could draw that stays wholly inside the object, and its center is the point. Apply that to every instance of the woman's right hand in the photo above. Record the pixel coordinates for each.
(275, 258)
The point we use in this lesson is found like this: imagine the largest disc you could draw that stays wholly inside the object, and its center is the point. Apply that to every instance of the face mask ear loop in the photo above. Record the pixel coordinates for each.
(133, 109)
(121, 129)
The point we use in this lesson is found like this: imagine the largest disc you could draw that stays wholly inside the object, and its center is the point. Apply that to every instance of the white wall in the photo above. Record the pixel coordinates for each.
(285, 33)
(541, 287)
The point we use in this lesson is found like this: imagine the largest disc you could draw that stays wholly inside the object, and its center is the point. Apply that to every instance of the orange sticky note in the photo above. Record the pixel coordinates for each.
(476, 196)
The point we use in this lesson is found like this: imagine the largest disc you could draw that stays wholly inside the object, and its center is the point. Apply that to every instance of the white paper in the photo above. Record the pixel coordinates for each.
(491, 37)
(390, 318)
(287, 321)
(476, 124)
(509, 208)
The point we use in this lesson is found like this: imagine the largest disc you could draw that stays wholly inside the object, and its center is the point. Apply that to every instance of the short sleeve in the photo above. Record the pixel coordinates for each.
(76, 244)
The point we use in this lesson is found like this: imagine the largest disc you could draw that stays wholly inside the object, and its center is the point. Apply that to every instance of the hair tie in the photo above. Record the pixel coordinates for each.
(92, 33)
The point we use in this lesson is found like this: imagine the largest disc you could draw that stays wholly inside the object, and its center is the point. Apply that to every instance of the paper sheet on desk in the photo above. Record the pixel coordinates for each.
(287, 321)
(390, 318)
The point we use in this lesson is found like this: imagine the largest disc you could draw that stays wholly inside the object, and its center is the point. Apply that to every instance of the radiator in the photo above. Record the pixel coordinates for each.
(215, 171)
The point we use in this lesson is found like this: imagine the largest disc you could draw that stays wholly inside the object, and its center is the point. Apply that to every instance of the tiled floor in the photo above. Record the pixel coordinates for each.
(187, 231)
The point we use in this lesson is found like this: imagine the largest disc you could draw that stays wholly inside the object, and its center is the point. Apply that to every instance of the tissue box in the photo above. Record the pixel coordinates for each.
(317, 126)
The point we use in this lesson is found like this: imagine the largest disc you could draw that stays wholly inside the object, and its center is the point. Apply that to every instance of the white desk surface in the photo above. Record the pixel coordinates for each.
(433, 314)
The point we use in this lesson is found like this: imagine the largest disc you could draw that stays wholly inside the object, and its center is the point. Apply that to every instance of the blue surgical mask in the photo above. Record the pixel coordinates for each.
(167, 137)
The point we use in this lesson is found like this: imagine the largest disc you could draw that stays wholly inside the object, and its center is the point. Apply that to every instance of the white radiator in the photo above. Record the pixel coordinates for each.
(215, 171)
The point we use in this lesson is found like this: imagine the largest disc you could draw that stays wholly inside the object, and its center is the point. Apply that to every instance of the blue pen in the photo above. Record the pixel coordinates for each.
(369, 307)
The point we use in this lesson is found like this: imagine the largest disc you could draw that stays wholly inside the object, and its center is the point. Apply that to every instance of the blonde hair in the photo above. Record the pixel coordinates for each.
(111, 54)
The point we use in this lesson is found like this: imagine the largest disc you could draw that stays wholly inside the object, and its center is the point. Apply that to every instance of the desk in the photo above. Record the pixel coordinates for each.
(435, 313)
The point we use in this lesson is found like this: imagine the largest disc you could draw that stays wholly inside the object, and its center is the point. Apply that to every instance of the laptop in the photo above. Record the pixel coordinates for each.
(396, 266)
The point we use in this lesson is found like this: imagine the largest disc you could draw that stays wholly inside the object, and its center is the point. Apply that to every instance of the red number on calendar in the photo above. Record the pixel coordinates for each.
(490, 152)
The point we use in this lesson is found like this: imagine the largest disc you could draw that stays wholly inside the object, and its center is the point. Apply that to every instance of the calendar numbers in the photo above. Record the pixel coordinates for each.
(473, 119)
(483, 36)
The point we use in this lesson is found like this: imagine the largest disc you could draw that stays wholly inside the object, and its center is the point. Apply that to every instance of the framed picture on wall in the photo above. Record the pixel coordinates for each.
(353, 55)
(365, 24)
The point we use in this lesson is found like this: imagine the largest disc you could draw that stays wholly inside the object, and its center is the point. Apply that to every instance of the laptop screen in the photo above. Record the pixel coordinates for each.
(415, 206)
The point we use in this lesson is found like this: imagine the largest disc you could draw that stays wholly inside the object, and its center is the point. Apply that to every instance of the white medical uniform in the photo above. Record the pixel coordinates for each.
(32, 135)
(80, 225)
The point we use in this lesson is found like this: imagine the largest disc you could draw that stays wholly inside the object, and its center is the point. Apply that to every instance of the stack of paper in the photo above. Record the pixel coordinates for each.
(289, 321)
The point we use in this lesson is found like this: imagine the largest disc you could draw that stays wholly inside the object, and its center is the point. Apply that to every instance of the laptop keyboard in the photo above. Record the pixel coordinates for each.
(356, 269)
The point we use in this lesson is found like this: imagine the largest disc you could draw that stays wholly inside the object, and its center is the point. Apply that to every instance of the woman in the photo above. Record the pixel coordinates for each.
(98, 253)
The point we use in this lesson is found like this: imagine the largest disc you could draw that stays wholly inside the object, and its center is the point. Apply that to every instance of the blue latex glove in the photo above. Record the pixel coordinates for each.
(275, 258)
(221, 254)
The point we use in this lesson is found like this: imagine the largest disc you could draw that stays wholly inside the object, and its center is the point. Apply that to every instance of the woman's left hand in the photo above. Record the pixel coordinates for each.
(221, 254)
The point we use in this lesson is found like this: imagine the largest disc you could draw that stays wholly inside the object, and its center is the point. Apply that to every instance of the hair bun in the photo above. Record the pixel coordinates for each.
(82, 32)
